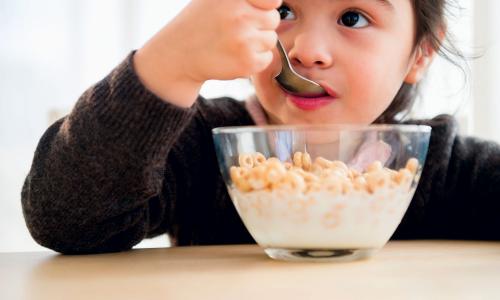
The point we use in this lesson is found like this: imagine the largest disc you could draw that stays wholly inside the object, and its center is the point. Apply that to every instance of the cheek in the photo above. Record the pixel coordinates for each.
(380, 74)
(372, 87)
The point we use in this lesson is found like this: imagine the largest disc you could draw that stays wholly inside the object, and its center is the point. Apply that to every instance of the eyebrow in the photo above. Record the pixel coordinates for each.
(385, 3)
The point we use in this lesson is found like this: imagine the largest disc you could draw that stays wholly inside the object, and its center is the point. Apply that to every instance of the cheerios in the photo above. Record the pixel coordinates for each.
(306, 161)
(258, 159)
(297, 159)
(293, 181)
(412, 165)
(246, 161)
(335, 177)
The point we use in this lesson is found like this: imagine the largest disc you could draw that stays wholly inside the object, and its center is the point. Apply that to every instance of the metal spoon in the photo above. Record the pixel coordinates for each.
(294, 83)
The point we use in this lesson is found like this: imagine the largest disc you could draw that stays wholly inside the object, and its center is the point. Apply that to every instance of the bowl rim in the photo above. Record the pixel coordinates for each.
(413, 128)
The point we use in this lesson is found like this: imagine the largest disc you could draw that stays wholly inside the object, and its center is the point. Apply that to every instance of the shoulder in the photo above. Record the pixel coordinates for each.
(460, 181)
(445, 133)
(451, 154)
(437, 164)
(443, 137)
(223, 111)
(443, 125)
(210, 114)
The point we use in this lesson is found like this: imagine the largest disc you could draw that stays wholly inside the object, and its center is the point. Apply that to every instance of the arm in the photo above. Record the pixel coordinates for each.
(95, 184)
(97, 174)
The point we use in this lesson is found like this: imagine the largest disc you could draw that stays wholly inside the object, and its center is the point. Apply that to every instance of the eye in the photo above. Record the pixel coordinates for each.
(286, 12)
(353, 19)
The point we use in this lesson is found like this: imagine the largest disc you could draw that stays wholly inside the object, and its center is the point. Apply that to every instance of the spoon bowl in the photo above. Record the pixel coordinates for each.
(294, 83)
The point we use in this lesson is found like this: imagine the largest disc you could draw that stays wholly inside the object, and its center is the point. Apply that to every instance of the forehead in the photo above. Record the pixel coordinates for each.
(386, 3)
(393, 7)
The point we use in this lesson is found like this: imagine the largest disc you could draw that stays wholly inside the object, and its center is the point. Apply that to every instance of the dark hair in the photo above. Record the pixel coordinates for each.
(430, 20)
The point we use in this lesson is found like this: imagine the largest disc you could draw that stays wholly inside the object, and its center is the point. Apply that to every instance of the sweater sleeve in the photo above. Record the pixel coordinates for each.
(96, 177)
(471, 201)
(459, 193)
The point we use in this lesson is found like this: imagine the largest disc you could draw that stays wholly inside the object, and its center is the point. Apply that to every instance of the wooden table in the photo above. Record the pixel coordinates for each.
(402, 270)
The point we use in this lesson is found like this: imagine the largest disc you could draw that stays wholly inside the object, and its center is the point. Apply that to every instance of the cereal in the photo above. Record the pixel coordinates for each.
(374, 166)
(353, 174)
(293, 181)
(274, 160)
(298, 159)
(246, 161)
(275, 171)
(412, 165)
(318, 203)
(377, 179)
(238, 175)
(337, 164)
(306, 161)
(323, 162)
(258, 159)
(258, 173)
(403, 176)
(359, 183)
(257, 178)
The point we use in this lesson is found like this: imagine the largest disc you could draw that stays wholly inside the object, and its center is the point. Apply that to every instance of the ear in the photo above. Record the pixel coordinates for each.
(422, 58)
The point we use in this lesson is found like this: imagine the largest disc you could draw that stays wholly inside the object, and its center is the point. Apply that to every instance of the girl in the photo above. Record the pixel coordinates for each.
(135, 159)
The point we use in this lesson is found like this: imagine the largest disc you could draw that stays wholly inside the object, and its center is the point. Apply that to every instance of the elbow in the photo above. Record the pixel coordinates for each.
(73, 230)
(64, 234)
(73, 240)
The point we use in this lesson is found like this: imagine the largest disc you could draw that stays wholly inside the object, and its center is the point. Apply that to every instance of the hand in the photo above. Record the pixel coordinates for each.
(224, 39)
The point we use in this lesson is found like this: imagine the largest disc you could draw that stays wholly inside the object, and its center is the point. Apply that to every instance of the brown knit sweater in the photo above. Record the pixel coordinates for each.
(124, 166)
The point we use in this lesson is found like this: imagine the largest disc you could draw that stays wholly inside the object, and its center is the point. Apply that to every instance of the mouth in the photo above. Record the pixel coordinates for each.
(313, 102)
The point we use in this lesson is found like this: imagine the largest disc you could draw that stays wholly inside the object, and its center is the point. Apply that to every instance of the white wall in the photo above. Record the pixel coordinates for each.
(52, 50)
(486, 69)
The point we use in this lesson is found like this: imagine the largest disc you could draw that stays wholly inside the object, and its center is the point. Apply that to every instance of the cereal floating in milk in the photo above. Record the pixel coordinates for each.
(320, 204)
(303, 175)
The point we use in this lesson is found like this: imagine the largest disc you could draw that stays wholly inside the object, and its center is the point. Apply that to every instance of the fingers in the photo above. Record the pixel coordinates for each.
(257, 18)
(265, 4)
(265, 41)
(262, 61)
(269, 20)
(262, 55)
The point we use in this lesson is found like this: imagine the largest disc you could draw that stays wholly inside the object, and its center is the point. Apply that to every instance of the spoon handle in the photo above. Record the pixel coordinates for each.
(284, 57)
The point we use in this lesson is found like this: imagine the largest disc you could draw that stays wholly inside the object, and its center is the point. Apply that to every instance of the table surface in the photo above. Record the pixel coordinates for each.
(401, 270)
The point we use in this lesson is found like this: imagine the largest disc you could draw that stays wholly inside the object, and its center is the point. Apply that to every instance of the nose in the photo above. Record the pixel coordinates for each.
(311, 49)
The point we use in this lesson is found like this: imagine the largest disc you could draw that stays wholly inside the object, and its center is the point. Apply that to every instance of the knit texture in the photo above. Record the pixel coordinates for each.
(125, 165)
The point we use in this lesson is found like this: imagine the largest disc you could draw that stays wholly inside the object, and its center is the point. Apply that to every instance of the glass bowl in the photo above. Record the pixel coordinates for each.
(321, 193)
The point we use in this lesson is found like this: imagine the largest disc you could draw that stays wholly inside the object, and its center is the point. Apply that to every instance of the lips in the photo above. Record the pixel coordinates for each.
(329, 90)
(313, 103)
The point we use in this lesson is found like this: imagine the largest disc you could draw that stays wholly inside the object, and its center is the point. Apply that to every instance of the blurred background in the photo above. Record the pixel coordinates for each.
(51, 51)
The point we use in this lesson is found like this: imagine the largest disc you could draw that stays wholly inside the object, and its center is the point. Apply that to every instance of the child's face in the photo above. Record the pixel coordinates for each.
(363, 50)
